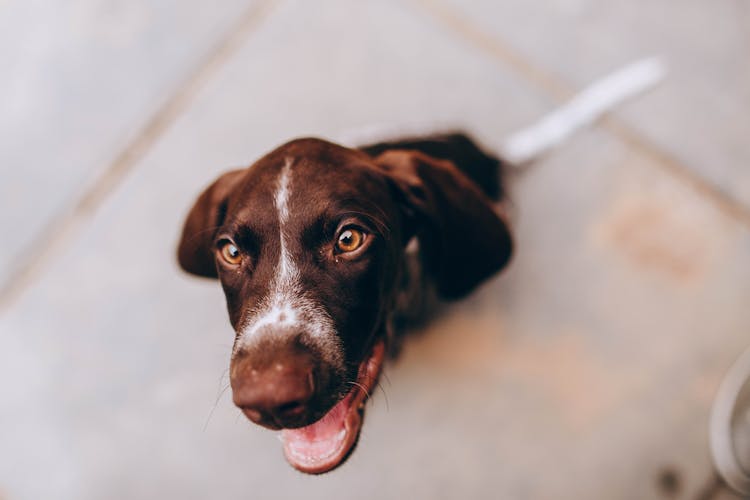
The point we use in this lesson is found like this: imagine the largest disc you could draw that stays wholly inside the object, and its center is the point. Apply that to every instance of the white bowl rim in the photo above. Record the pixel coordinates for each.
(722, 447)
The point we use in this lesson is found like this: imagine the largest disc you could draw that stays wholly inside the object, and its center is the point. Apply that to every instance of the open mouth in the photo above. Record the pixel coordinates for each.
(325, 444)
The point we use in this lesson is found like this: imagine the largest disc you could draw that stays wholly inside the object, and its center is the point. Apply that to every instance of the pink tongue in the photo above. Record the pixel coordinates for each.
(321, 440)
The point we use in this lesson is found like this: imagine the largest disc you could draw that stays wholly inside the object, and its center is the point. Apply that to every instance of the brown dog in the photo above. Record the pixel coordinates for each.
(323, 252)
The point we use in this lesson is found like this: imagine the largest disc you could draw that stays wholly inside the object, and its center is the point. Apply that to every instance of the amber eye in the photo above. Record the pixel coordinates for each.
(230, 253)
(349, 240)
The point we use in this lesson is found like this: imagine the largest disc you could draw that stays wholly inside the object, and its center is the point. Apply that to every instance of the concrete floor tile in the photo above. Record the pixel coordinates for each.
(698, 115)
(80, 80)
(642, 284)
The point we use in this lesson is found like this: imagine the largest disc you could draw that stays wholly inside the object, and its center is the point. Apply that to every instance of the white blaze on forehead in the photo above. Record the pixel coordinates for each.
(286, 304)
(287, 271)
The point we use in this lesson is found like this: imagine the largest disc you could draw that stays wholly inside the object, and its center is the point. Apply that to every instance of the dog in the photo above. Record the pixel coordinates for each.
(326, 254)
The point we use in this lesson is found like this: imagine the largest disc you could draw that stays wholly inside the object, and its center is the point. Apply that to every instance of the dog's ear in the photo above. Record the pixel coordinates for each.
(195, 253)
(463, 239)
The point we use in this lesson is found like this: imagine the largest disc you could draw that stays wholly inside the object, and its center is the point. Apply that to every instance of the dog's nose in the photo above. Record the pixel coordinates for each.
(276, 392)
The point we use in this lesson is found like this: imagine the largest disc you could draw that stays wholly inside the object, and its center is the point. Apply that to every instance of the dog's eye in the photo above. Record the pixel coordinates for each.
(230, 253)
(350, 239)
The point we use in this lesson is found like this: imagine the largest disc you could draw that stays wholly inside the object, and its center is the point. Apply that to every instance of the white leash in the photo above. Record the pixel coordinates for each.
(582, 110)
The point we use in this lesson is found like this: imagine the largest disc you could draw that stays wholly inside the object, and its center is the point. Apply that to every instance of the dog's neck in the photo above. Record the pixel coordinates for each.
(415, 300)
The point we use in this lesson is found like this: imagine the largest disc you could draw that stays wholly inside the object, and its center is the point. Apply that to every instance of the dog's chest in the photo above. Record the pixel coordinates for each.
(416, 297)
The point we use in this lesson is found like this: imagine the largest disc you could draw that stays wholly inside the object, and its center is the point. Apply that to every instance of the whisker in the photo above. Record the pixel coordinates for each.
(216, 403)
(361, 387)
(387, 406)
(200, 233)
(377, 221)
(224, 374)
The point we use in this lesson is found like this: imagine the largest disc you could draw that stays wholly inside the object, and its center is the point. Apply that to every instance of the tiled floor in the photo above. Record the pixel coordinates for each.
(586, 370)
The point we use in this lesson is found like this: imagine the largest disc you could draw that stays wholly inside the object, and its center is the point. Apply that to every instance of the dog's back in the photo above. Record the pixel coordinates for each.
(484, 169)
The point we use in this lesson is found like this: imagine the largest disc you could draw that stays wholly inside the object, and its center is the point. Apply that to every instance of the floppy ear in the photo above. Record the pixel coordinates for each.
(195, 253)
(463, 240)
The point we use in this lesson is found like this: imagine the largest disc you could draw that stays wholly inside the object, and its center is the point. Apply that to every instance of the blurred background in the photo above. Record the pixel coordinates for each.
(586, 370)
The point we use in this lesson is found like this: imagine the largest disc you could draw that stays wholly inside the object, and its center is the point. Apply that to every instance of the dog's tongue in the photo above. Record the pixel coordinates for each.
(322, 445)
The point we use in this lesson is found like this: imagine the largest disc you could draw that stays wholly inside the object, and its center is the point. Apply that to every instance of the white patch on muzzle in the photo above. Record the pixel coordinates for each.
(286, 309)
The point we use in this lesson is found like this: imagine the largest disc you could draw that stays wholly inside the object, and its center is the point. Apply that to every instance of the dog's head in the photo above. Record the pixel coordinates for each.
(308, 244)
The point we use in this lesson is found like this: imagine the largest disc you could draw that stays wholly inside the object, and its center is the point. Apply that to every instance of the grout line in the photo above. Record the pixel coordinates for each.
(553, 85)
(500, 50)
(723, 202)
(59, 232)
(562, 91)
